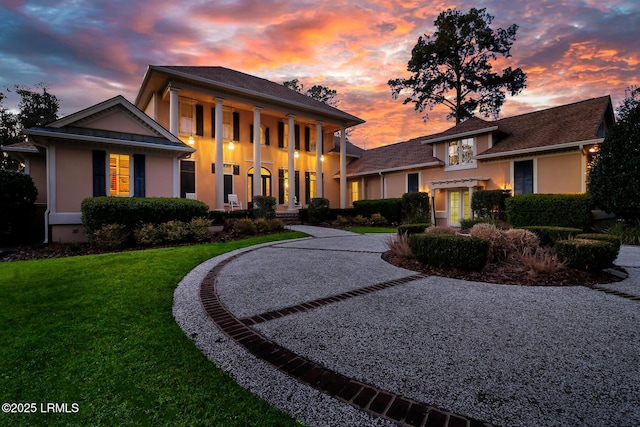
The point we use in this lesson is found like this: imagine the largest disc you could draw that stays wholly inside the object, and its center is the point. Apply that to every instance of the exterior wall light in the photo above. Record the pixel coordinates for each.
(191, 141)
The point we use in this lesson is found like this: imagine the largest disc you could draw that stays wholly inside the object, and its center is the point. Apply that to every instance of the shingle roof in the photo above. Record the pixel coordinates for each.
(395, 156)
(108, 134)
(352, 150)
(237, 80)
(565, 124)
(21, 147)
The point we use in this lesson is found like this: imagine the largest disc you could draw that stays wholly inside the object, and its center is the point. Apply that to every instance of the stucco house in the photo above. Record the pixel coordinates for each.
(166, 145)
(547, 151)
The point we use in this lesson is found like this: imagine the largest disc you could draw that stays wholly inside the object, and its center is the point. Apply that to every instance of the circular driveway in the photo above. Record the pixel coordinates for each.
(466, 351)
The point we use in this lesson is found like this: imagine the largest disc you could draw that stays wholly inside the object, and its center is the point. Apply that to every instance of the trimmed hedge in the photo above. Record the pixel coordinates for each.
(549, 235)
(585, 254)
(557, 210)
(490, 203)
(131, 212)
(391, 209)
(449, 250)
(600, 236)
(264, 207)
(416, 207)
(318, 210)
(412, 228)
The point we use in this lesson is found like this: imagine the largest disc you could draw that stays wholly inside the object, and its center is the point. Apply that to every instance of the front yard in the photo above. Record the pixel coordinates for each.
(98, 331)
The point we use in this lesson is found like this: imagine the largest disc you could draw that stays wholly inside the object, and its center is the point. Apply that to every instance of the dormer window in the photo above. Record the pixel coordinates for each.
(460, 153)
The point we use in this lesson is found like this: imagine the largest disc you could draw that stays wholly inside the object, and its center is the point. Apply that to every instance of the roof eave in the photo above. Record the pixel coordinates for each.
(395, 169)
(460, 135)
(348, 118)
(98, 139)
(578, 144)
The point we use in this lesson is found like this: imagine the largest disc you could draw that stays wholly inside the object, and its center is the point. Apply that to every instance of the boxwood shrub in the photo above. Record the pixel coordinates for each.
(449, 250)
(490, 203)
(131, 212)
(558, 210)
(318, 210)
(412, 228)
(587, 254)
(549, 235)
(416, 207)
(600, 236)
(391, 209)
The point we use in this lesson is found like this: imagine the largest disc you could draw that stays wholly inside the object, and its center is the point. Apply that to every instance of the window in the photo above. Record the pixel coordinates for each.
(227, 125)
(310, 186)
(265, 175)
(355, 191)
(229, 170)
(186, 125)
(187, 177)
(461, 153)
(413, 182)
(523, 177)
(263, 140)
(119, 175)
(283, 185)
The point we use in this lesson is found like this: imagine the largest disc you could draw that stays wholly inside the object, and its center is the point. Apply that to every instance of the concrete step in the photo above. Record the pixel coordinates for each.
(289, 218)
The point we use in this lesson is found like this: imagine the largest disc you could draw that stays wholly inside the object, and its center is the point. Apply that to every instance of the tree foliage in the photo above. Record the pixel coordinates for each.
(453, 67)
(317, 92)
(35, 109)
(614, 178)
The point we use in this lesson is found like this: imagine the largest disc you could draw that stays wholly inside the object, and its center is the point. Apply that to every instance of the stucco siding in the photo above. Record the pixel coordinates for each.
(74, 177)
(120, 122)
(560, 173)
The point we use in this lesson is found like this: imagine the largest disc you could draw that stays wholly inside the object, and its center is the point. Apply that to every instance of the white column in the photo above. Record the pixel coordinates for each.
(219, 156)
(292, 173)
(343, 169)
(174, 111)
(319, 151)
(257, 176)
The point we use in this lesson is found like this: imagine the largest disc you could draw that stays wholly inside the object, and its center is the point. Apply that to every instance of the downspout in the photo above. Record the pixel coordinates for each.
(47, 211)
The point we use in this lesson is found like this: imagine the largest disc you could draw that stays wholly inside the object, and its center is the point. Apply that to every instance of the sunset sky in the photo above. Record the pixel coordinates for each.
(87, 51)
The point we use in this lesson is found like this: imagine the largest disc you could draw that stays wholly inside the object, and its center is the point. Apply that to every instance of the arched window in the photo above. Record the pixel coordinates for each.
(266, 183)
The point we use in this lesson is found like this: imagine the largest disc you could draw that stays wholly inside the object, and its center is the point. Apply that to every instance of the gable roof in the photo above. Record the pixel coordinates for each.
(554, 128)
(70, 128)
(402, 155)
(236, 82)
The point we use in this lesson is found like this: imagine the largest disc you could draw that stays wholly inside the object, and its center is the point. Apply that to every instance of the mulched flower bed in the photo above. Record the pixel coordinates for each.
(508, 273)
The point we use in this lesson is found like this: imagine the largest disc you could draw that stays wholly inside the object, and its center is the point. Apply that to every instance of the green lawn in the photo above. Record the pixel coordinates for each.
(364, 230)
(99, 331)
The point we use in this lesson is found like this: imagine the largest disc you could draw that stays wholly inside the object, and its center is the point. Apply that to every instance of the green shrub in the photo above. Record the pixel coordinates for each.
(347, 213)
(585, 254)
(549, 235)
(626, 232)
(318, 210)
(174, 231)
(276, 224)
(261, 224)
(198, 230)
(440, 229)
(378, 220)
(111, 236)
(17, 196)
(490, 204)
(341, 221)
(391, 209)
(133, 211)
(600, 236)
(147, 235)
(415, 208)
(552, 210)
(360, 220)
(448, 250)
(245, 226)
(264, 207)
(412, 228)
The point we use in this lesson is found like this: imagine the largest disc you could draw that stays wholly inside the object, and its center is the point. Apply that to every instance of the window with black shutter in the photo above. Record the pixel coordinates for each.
(280, 135)
(281, 186)
(187, 177)
(99, 173)
(236, 126)
(297, 136)
(199, 120)
(523, 177)
(138, 175)
(307, 138)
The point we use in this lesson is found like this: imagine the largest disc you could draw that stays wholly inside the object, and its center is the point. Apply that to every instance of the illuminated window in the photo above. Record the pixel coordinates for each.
(186, 118)
(355, 193)
(119, 175)
(265, 176)
(461, 152)
(310, 186)
(458, 206)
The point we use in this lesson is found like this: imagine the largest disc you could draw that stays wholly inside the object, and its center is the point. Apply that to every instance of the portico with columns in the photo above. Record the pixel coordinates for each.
(260, 138)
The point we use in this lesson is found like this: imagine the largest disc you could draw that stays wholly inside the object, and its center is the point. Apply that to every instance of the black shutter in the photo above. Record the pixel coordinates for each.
(307, 187)
(297, 185)
(199, 120)
(297, 129)
(280, 135)
(281, 186)
(213, 122)
(236, 126)
(307, 138)
(138, 175)
(187, 177)
(236, 169)
(228, 187)
(99, 173)
(251, 133)
(267, 140)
